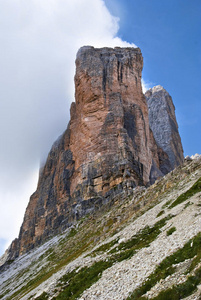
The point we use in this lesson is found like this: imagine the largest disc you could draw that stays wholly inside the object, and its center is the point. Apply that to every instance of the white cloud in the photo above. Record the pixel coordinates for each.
(146, 85)
(39, 41)
(13, 206)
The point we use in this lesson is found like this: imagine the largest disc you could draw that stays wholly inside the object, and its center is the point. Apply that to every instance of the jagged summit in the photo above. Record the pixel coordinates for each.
(107, 150)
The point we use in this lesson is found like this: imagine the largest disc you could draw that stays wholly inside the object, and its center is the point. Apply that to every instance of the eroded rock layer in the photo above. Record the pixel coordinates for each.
(107, 148)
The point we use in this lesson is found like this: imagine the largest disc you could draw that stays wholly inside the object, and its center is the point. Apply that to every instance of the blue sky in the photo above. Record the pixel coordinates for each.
(169, 35)
(39, 41)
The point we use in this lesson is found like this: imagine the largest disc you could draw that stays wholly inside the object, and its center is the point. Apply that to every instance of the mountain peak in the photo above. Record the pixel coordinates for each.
(107, 150)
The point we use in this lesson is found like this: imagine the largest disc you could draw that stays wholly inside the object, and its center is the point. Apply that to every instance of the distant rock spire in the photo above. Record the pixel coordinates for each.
(164, 125)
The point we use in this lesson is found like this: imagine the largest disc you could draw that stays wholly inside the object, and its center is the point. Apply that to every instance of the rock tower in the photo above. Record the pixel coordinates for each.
(107, 148)
(164, 125)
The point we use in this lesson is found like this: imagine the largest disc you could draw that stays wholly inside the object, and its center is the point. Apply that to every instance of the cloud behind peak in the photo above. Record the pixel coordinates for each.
(39, 41)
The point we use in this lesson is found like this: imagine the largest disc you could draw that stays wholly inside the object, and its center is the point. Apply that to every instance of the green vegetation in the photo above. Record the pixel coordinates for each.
(161, 272)
(191, 192)
(183, 290)
(141, 239)
(165, 268)
(43, 296)
(72, 233)
(91, 229)
(4, 294)
(57, 262)
(196, 259)
(166, 204)
(32, 283)
(187, 204)
(160, 213)
(52, 256)
(106, 246)
(76, 282)
(10, 261)
(171, 230)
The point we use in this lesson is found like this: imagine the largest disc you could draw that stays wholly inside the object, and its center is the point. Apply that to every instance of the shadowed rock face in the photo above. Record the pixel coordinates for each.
(164, 126)
(107, 148)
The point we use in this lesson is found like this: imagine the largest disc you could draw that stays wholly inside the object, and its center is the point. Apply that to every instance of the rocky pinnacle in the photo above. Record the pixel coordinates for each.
(164, 125)
(108, 147)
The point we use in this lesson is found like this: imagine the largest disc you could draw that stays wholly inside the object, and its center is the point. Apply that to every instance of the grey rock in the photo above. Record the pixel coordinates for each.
(163, 124)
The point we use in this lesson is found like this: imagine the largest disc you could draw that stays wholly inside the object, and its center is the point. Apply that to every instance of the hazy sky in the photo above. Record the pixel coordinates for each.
(38, 44)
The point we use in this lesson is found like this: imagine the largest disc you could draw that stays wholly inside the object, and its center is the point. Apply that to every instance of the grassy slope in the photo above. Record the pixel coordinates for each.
(93, 230)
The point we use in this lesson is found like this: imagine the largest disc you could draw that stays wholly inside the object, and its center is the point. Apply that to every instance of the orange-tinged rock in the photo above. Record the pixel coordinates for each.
(108, 146)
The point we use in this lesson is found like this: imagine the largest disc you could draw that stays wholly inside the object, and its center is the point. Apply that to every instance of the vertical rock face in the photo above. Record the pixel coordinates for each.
(110, 119)
(108, 146)
(164, 126)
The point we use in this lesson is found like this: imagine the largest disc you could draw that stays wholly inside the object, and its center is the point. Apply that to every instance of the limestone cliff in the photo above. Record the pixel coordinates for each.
(164, 126)
(108, 147)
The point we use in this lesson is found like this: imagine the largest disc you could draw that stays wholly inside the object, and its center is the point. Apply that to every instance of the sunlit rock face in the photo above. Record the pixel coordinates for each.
(164, 125)
(107, 148)
(110, 119)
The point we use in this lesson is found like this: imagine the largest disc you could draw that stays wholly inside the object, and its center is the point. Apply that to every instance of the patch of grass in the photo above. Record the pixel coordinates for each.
(106, 246)
(46, 254)
(46, 273)
(182, 290)
(72, 233)
(52, 256)
(43, 296)
(28, 285)
(166, 204)
(141, 239)
(83, 240)
(171, 230)
(161, 272)
(187, 204)
(126, 250)
(195, 261)
(10, 261)
(191, 192)
(83, 219)
(165, 268)
(5, 293)
(76, 282)
(124, 255)
(160, 213)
